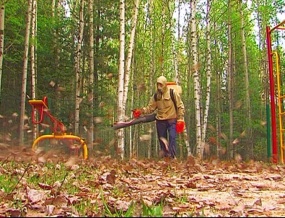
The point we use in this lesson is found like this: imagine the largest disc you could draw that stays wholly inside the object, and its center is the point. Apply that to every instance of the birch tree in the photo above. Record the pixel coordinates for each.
(208, 72)
(78, 68)
(24, 74)
(91, 73)
(196, 78)
(130, 52)
(55, 12)
(218, 67)
(121, 78)
(55, 8)
(177, 76)
(230, 151)
(129, 56)
(149, 41)
(33, 60)
(247, 91)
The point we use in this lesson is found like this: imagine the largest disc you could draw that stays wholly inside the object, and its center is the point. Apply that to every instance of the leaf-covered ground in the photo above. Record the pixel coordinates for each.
(60, 184)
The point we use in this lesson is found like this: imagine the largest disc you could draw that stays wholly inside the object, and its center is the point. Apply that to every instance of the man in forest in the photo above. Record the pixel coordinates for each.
(169, 116)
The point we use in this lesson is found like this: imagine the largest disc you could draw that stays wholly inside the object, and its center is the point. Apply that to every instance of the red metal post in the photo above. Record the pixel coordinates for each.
(272, 96)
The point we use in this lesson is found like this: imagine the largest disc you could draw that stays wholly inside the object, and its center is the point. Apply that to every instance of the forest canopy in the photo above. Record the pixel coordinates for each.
(70, 52)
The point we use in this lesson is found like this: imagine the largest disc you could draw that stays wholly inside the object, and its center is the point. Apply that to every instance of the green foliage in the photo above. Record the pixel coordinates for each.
(7, 183)
(156, 51)
(84, 207)
(152, 211)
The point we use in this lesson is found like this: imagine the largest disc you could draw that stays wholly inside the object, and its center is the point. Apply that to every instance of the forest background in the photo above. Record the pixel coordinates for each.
(96, 60)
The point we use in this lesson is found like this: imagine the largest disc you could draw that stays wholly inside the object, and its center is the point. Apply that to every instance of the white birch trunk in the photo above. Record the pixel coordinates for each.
(177, 80)
(56, 8)
(24, 76)
(209, 75)
(248, 105)
(78, 71)
(129, 58)
(130, 52)
(152, 64)
(120, 108)
(230, 151)
(56, 12)
(33, 62)
(196, 77)
(90, 135)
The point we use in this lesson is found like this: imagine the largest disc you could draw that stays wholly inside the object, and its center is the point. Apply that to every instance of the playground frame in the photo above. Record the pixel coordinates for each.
(272, 88)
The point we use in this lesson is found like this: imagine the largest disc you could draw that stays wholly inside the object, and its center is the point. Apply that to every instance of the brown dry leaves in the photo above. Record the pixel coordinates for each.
(184, 188)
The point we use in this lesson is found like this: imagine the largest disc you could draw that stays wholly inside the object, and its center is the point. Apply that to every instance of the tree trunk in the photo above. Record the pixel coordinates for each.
(152, 70)
(176, 57)
(78, 69)
(120, 104)
(130, 52)
(129, 61)
(24, 78)
(249, 143)
(2, 21)
(90, 136)
(33, 62)
(218, 115)
(196, 77)
(230, 151)
(209, 74)
(56, 8)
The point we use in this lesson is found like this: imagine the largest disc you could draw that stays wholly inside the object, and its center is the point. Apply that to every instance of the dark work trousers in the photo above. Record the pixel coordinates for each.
(167, 129)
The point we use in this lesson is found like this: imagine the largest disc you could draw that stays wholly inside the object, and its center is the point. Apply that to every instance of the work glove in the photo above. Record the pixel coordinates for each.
(180, 125)
(137, 112)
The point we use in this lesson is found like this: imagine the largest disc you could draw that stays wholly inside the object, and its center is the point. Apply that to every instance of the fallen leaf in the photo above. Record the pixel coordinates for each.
(165, 142)
(145, 137)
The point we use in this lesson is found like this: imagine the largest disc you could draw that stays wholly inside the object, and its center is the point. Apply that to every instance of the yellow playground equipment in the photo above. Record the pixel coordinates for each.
(39, 110)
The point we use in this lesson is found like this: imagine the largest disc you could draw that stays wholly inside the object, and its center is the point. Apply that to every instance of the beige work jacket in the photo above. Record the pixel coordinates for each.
(165, 108)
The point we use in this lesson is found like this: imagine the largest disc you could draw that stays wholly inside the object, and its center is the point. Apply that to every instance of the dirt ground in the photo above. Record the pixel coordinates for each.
(186, 188)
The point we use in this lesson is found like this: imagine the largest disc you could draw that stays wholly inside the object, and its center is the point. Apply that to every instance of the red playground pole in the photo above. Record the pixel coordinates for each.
(272, 88)
(272, 96)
